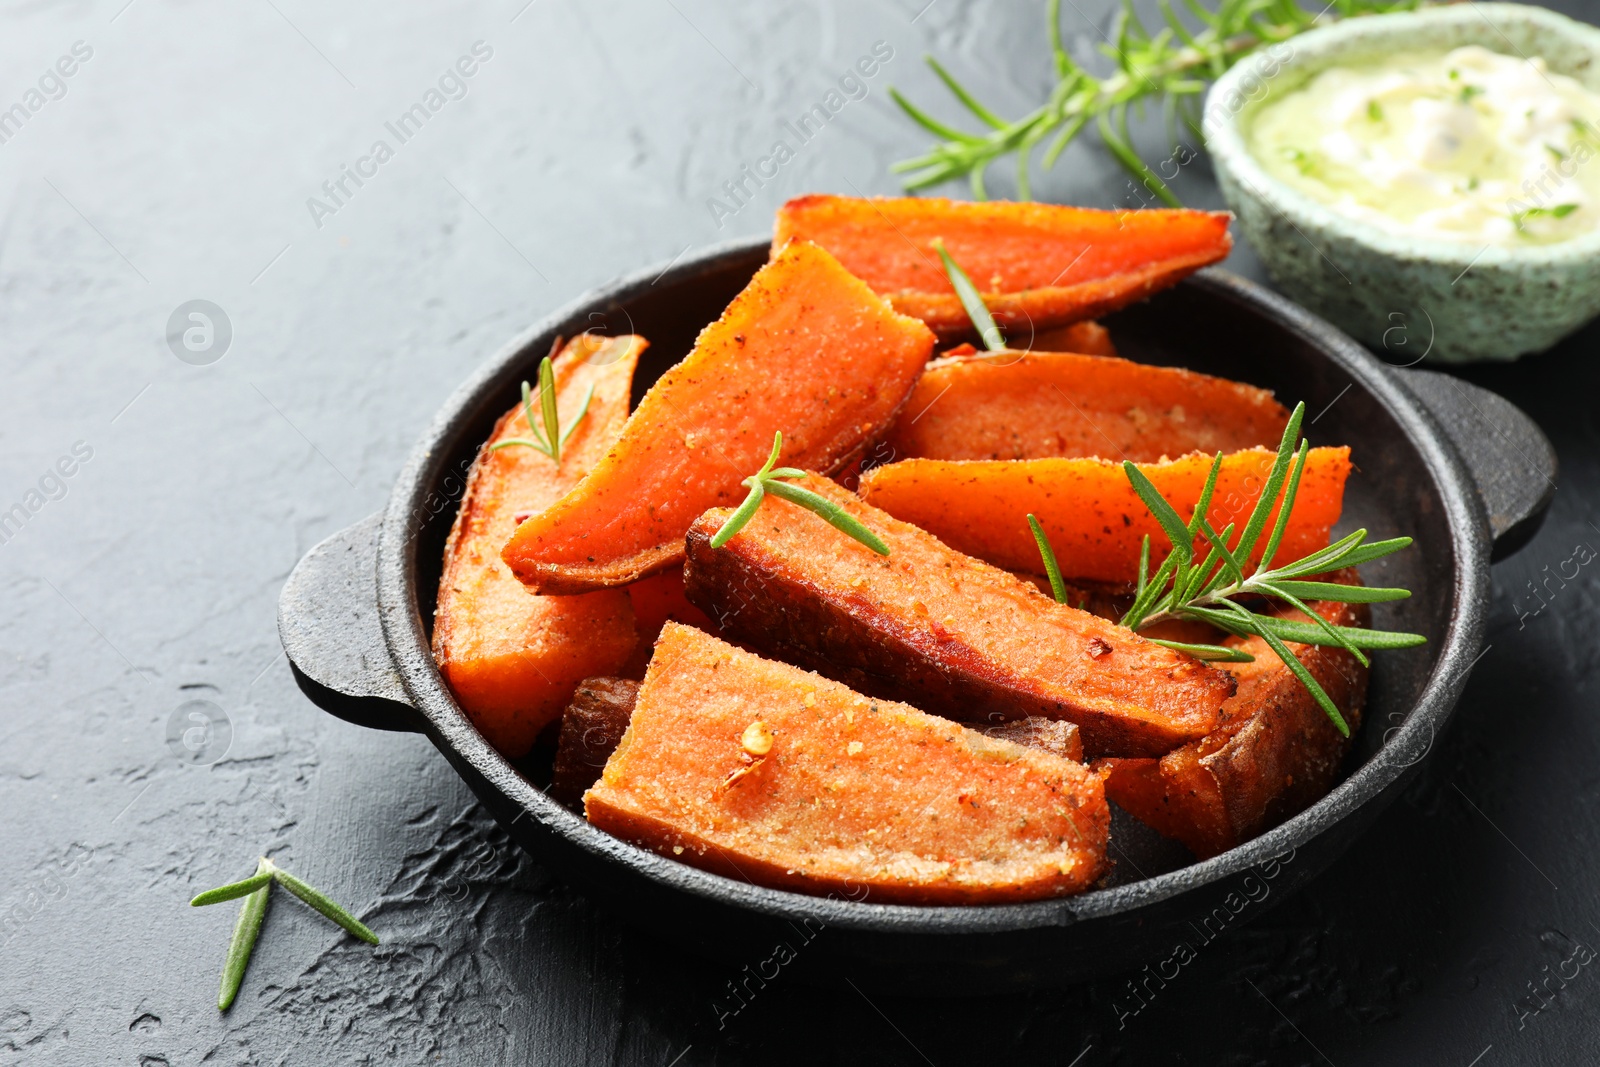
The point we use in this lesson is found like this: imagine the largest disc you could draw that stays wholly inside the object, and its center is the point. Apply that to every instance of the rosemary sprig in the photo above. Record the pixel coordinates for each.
(1209, 590)
(552, 438)
(767, 480)
(255, 889)
(245, 931)
(1171, 66)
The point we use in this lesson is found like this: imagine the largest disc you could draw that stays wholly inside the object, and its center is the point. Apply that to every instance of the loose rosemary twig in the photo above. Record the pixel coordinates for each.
(767, 480)
(1208, 590)
(1172, 66)
(254, 889)
(552, 438)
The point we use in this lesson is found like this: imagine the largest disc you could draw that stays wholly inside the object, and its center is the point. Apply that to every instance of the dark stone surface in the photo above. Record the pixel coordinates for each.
(176, 167)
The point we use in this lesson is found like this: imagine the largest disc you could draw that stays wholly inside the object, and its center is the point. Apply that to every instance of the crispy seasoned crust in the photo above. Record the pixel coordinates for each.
(767, 773)
(591, 728)
(945, 631)
(1276, 754)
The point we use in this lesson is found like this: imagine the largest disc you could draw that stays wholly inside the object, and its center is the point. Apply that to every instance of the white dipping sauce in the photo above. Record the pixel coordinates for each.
(1468, 145)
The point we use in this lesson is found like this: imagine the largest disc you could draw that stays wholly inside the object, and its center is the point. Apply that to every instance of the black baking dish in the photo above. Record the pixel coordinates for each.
(1454, 466)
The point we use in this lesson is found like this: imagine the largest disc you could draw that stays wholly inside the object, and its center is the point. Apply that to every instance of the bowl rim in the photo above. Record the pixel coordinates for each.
(1322, 47)
(406, 636)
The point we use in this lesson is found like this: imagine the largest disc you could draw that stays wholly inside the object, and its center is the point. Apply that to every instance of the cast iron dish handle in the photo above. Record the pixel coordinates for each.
(328, 623)
(1511, 461)
(328, 612)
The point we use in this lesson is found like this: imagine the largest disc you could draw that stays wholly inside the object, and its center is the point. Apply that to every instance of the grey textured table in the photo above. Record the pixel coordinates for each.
(185, 159)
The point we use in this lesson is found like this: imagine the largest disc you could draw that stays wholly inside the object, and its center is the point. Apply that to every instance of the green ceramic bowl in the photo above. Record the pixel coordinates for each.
(1402, 294)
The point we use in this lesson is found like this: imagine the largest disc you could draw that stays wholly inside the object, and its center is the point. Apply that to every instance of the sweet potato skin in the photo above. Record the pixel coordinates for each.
(873, 800)
(1037, 265)
(591, 728)
(805, 349)
(1089, 510)
(1053, 735)
(512, 659)
(1275, 756)
(951, 634)
(1038, 405)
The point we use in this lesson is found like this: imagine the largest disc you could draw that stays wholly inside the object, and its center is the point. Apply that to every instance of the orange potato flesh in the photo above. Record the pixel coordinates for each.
(1275, 756)
(1039, 405)
(1089, 338)
(659, 598)
(655, 600)
(958, 637)
(806, 349)
(853, 793)
(1037, 265)
(511, 658)
(1089, 510)
(1086, 338)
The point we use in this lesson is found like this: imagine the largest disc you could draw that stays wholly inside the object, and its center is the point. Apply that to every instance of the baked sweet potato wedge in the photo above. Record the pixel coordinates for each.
(512, 658)
(1040, 405)
(1276, 754)
(1037, 265)
(950, 633)
(1089, 510)
(1089, 338)
(765, 772)
(591, 728)
(806, 349)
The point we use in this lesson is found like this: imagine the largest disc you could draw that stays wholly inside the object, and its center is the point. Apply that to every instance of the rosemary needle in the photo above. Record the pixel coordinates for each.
(971, 300)
(233, 890)
(245, 931)
(1058, 588)
(321, 902)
